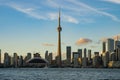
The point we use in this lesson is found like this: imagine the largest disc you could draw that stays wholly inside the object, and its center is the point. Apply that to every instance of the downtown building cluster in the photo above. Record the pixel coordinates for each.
(85, 58)
(82, 58)
(17, 61)
(109, 57)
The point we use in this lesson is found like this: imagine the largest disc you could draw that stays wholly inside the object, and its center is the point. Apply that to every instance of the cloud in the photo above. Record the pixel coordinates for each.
(70, 19)
(70, 12)
(29, 11)
(113, 1)
(33, 12)
(66, 18)
(83, 41)
(48, 44)
(89, 8)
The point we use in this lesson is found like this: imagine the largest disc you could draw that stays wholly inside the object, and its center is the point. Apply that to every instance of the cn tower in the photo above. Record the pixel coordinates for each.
(59, 41)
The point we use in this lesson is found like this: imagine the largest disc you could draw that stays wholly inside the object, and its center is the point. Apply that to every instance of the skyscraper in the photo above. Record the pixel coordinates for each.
(20, 61)
(75, 59)
(105, 59)
(84, 62)
(68, 55)
(96, 60)
(80, 56)
(50, 58)
(15, 58)
(117, 43)
(46, 55)
(80, 53)
(117, 48)
(103, 47)
(28, 56)
(110, 45)
(6, 60)
(89, 55)
(0, 56)
(85, 50)
(59, 41)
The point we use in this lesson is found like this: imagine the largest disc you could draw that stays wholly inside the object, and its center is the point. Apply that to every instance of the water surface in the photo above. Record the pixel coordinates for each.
(59, 74)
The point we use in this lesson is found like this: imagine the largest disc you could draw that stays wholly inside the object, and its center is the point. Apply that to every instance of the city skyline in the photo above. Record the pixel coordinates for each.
(31, 26)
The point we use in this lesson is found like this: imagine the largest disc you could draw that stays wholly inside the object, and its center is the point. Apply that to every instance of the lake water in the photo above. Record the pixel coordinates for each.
(58, 74)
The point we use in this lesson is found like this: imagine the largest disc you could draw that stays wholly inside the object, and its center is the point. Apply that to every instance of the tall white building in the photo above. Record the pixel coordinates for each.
(110, 45)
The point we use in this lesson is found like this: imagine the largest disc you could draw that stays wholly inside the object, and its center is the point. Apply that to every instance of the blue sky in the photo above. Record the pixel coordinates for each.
(31, 25)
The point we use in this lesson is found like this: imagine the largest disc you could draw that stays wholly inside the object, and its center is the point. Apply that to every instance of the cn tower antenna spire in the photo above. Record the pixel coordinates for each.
(59, 28)
(59, 18)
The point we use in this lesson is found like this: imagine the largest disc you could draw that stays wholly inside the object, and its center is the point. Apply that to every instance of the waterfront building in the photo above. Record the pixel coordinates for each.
(29, 56)
(89, 55)
(46, 55)
(117, 48)
(113, 56)
(15, 58)
(116, 44)
(36, 62)
(97, 60)
(75, 59)
(68, 55)
(6, 60)
(103, 47)
(118, 53)
(80, 53)
(80, 56)
(20, 61)
(50, 58)
(105, 59)
(110, 45)
(84, 61)
(0, 56)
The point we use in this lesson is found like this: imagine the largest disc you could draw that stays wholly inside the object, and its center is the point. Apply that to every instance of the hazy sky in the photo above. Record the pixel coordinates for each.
(31, 25)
